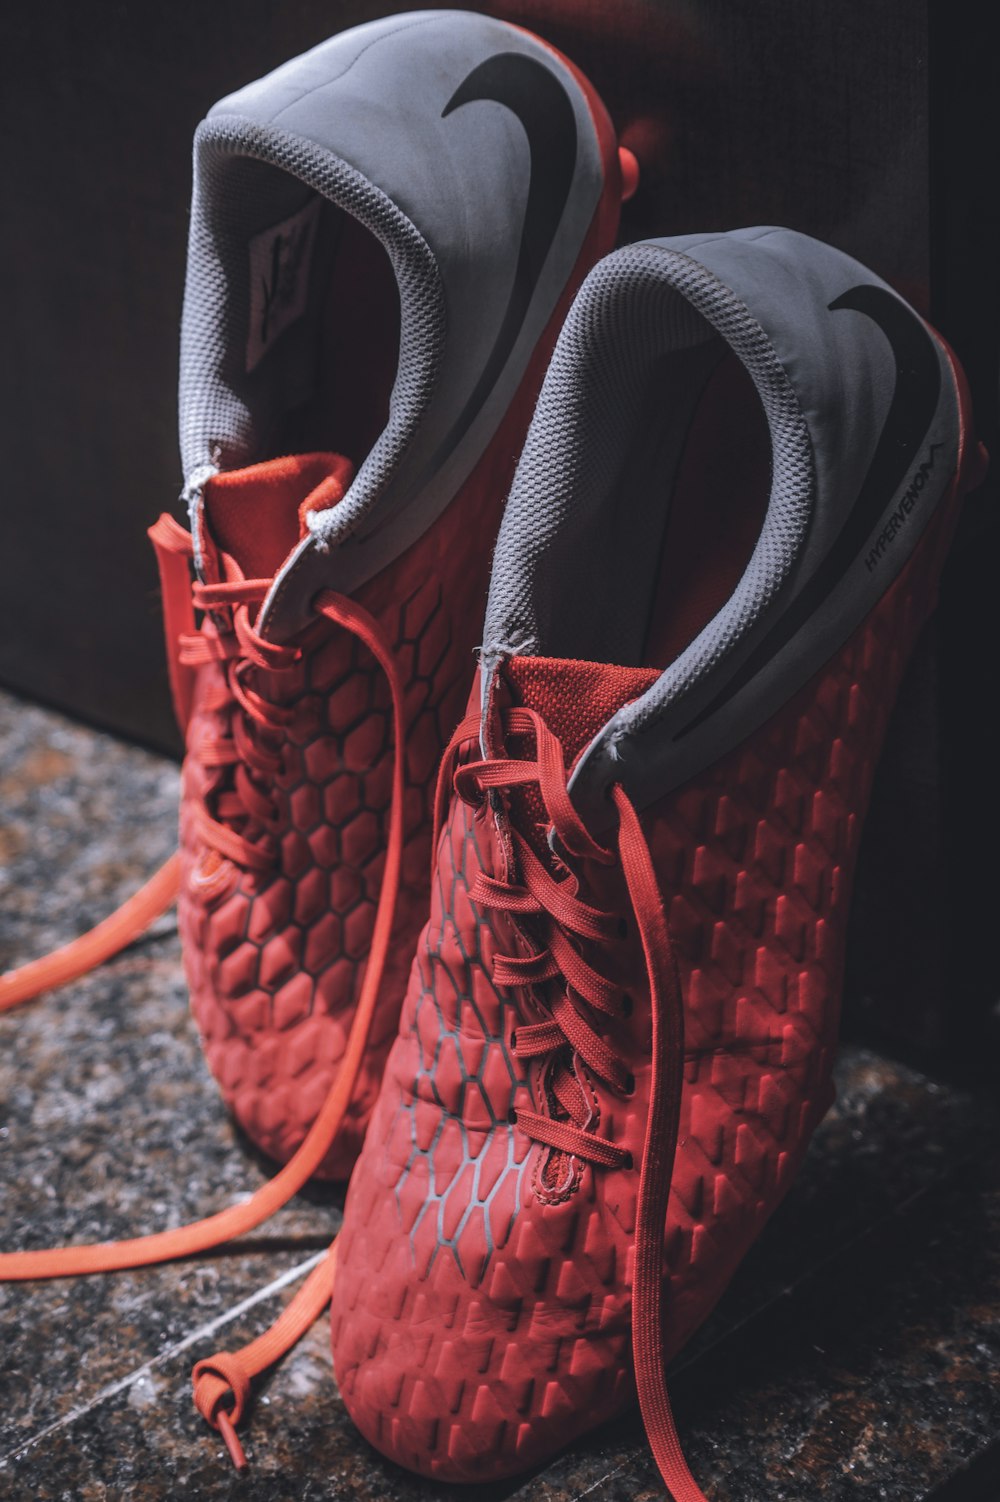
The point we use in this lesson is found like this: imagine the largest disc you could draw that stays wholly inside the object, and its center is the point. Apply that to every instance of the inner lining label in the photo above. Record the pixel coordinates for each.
(280, 259)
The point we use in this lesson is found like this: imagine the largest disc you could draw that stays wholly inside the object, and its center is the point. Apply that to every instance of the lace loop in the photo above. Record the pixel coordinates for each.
(555, 915)
(566, 1138)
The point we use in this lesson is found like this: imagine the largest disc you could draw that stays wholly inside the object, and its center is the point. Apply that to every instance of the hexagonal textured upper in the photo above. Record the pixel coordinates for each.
(478, 1324)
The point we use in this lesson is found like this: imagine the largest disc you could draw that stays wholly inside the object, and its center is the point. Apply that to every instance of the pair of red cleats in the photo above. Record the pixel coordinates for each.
(575, 1070)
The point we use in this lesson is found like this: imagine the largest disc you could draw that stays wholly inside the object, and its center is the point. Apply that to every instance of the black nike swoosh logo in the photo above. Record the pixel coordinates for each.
(914, 402)
(534, 94)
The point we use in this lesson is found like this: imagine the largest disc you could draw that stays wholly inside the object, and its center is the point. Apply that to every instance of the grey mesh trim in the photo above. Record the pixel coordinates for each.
(572, 535)
(215, 311)
(793, 487)
(553, 489)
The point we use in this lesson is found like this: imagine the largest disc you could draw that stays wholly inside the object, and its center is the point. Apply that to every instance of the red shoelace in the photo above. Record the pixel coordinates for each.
(553, 908)
(551, 914)
(250, 753)
(555, 911)
(245, 757)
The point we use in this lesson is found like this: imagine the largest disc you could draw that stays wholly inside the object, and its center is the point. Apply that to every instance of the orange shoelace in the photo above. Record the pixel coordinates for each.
(133, 918)
(555, 914)
(228, 1374)
(555, 911)
(252, 753)
(553, 908)
(101, 943)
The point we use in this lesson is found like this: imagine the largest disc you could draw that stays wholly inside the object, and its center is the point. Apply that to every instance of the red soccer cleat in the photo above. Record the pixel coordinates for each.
(386, 235)
(726, 529)
(420, 198)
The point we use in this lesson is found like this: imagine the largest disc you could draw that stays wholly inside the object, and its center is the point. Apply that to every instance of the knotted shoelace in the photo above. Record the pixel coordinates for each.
(550, 915)
(251, 750)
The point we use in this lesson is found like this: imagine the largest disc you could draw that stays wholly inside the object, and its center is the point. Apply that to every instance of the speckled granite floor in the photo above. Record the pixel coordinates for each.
(857, 1354)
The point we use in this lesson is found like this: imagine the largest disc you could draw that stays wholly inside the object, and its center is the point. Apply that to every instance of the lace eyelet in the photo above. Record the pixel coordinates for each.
(512, 1116)
(628, 1005)
(629, 1161)
(623, 928)
(629, 1086)
(513, 1041)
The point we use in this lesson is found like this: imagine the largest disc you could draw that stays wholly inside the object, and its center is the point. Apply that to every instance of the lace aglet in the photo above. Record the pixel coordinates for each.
(232, 1439)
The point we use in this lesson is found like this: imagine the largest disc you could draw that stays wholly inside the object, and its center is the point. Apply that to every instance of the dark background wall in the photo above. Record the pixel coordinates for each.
(866, 122)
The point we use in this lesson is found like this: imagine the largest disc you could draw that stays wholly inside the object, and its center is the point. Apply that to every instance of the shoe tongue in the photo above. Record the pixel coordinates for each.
(256, 516)
(575, 699)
